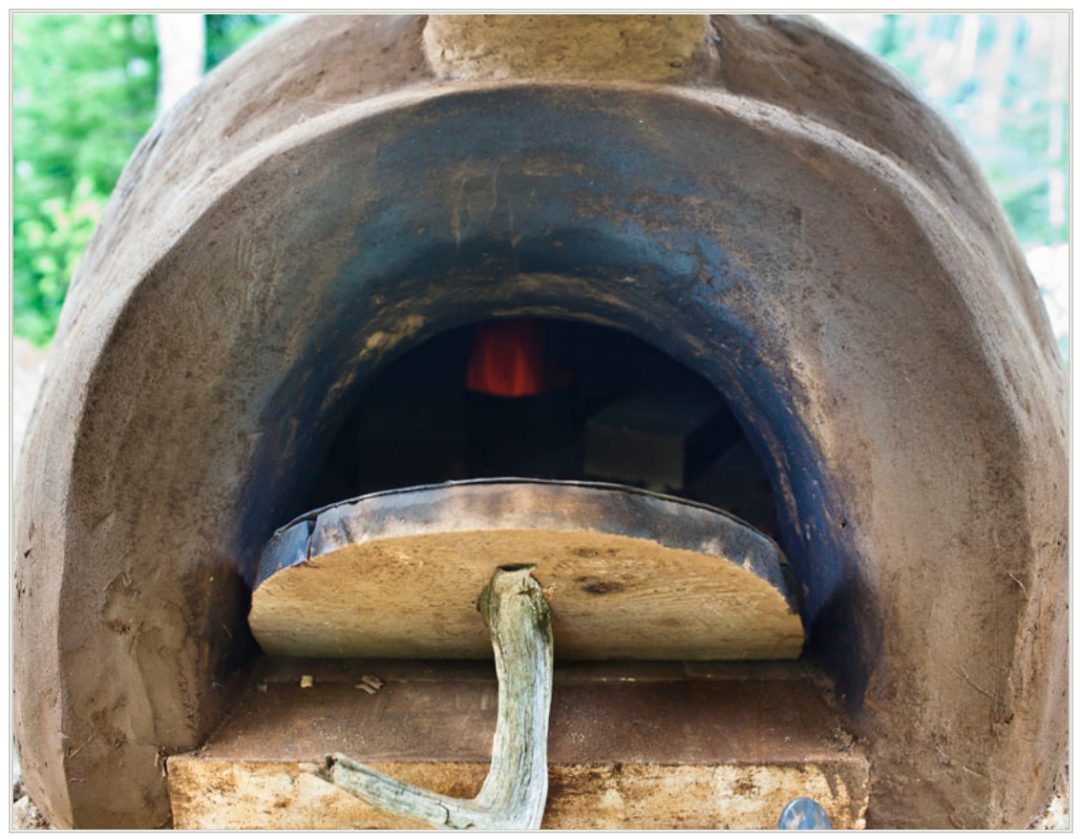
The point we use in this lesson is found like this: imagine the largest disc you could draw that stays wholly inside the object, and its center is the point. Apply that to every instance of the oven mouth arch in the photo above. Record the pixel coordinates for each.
(535, 399)
(765, 410)
(472, 223)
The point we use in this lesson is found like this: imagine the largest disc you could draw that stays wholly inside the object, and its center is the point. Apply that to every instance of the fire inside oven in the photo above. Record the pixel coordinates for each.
(545, 398)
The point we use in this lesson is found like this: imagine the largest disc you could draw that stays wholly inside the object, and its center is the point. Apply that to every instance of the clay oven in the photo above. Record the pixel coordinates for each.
(748, 203)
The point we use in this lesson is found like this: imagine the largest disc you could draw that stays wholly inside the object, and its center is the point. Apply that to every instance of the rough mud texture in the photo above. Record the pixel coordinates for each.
(28, 369)
(747, 739)
(646, 48)
(789, 220)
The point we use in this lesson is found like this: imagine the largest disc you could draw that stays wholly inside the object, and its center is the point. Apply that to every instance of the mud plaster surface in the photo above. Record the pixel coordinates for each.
(960, 514)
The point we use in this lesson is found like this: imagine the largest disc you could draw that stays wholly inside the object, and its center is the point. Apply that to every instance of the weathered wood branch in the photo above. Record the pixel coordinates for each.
(515, 790)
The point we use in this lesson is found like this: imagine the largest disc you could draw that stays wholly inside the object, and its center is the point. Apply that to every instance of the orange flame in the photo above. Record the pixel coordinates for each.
(508, 360)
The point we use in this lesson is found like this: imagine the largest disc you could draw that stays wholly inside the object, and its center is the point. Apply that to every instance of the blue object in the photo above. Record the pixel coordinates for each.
(804, 814)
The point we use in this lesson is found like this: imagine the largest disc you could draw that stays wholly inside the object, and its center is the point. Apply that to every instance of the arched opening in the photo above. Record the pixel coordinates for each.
(545, 398)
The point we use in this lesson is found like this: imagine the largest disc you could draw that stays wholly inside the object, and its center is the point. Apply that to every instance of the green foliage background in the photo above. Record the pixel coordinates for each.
(85, 91)
(227, 33)
(1008, 98)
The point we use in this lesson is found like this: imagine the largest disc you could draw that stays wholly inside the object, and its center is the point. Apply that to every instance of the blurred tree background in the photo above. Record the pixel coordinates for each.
(226, 33)
(88, 86)
(85, 91)
(1002, 80)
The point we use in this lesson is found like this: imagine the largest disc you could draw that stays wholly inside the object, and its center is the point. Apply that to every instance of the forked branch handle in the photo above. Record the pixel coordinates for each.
(515, 790)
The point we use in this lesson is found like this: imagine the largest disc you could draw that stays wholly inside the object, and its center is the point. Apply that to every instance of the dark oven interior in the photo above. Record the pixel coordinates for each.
(545, 398)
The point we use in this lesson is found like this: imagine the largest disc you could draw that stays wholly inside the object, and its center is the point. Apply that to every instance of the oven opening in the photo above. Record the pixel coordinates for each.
(617, 488)
(545, 399)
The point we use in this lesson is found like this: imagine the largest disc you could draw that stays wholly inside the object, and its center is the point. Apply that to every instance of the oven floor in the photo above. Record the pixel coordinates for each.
(632, 745)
